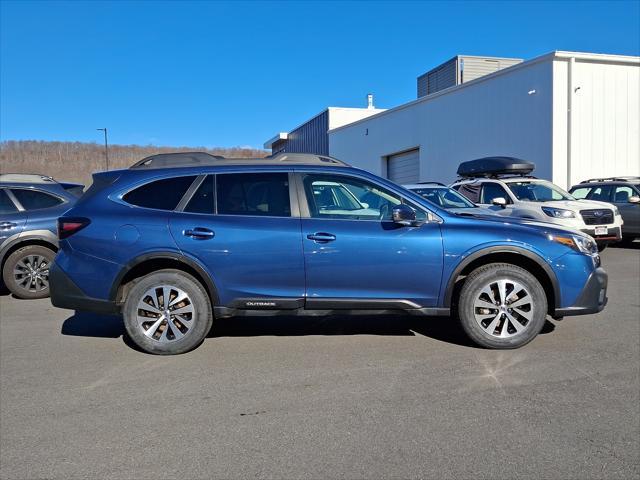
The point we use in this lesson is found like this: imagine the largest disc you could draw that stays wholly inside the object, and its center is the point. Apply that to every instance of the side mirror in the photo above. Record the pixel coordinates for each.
(634, 199)
(403, 215)
(499, 201)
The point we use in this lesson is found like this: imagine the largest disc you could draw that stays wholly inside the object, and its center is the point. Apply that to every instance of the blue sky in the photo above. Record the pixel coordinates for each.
(234, 73)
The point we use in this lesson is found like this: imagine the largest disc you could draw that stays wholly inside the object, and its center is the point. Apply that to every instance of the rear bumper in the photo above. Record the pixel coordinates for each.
(66, 294)
(592, 299)
(614, 234)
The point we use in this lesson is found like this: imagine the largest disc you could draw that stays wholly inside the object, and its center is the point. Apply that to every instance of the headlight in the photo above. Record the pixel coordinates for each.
(558, 212)
(616, 211)
(577, 242)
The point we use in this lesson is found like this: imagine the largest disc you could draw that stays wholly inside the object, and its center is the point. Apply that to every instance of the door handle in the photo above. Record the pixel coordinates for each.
(321, 237)
(199, 233)
(7, 225)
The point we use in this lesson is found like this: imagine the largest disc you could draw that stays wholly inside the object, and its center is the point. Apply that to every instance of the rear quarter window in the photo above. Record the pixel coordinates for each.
(162, 194)
(470, 190)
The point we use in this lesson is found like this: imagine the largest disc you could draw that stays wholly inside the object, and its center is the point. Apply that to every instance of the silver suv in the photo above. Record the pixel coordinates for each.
(504, 185)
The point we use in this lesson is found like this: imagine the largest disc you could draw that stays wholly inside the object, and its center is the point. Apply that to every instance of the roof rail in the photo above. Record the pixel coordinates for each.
(431, 183)
(612, 179)
(26, 178)
(194, 159)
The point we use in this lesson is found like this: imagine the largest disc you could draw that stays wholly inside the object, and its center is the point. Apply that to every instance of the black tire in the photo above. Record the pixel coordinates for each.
(488, 276)
(602, 246)
(187, 336)
(33, 262)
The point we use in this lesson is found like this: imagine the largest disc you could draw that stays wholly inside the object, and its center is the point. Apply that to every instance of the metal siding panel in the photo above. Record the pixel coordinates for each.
(479, 67)
(311, 137)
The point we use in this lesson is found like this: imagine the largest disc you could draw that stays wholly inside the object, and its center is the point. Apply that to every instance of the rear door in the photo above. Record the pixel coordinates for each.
(245, 228)
(12, 217)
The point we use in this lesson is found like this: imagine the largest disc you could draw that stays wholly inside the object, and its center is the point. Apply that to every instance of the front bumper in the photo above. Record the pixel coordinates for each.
(592, 299)
(66, 294)
(614, 234)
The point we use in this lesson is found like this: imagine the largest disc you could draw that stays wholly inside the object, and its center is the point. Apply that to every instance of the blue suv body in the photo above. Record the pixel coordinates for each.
(29, 209)
(180, 239)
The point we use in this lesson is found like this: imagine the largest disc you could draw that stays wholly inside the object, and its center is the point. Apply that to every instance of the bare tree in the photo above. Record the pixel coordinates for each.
(76, 161)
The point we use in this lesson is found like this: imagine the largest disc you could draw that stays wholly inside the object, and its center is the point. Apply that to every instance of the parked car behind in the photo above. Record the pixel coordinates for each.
(447, 198)
(623, 192)
(504, 185)
(29, 209)
(178, 240)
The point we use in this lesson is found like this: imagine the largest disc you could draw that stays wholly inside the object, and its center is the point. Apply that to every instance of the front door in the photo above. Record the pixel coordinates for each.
(355, 256)
(630, 211)
(241, 227)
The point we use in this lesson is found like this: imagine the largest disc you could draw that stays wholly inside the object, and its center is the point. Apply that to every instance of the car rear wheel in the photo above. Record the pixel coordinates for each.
(26, 271)
(502, 306)
(167, 312)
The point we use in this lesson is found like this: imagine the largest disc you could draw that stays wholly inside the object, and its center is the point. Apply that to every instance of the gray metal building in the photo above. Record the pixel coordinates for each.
(460, 69)
(313, 135)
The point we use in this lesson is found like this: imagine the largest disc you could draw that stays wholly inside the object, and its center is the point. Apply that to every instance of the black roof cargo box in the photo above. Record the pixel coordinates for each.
(494, 166)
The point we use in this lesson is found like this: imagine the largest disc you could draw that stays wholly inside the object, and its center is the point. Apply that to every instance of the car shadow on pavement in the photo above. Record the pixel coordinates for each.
(627, 246)
(444, 329)
(83, 324)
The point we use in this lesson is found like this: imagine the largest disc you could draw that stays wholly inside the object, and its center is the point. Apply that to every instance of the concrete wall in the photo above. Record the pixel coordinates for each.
(493, 115)
(605, 118)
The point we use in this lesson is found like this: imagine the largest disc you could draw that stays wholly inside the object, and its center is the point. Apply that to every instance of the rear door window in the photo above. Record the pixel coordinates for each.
(6, 205)
(34, 199)
(469, 190)
(257, 194)
(203, 200)
(162, 194)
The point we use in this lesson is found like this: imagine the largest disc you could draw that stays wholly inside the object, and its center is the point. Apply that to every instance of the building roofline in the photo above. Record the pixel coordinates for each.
(271, 141)
(558, 54)
(280, 136)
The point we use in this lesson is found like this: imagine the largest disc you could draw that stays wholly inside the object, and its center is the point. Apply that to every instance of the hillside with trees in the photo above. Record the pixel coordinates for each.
(75, 161)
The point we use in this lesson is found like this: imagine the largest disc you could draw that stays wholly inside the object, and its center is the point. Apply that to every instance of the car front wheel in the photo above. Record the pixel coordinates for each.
(502, 306)
(167, 312)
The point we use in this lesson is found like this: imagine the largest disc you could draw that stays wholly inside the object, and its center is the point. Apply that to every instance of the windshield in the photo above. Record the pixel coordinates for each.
(443, 197)
(538, 191)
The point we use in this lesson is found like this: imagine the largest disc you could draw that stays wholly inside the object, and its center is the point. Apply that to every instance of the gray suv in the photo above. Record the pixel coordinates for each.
(29, 209)
(623, 192)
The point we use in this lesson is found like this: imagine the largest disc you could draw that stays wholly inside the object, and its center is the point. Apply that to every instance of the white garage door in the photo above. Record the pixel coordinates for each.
(404, 167)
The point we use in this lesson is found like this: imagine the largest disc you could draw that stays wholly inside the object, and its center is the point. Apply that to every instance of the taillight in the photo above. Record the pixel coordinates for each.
(67, 226)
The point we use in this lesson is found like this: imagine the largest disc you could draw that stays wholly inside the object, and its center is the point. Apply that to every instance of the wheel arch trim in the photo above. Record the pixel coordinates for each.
(165, 255)
(448, 294)
(42, 236)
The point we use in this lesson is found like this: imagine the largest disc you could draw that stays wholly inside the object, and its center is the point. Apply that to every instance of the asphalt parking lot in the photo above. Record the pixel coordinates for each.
(363, 397)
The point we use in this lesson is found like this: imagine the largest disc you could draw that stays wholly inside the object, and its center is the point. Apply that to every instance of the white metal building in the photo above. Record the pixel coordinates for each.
(575, 115)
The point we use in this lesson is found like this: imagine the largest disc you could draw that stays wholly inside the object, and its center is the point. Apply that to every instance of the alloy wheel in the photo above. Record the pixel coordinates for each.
(165, 313)
(503, 308)
(31, 273)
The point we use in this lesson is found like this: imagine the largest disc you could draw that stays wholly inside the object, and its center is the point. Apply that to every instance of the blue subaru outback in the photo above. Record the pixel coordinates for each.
(179, 240)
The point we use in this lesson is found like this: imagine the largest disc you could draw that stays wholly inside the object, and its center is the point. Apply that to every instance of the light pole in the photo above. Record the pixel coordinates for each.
(106, 145)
